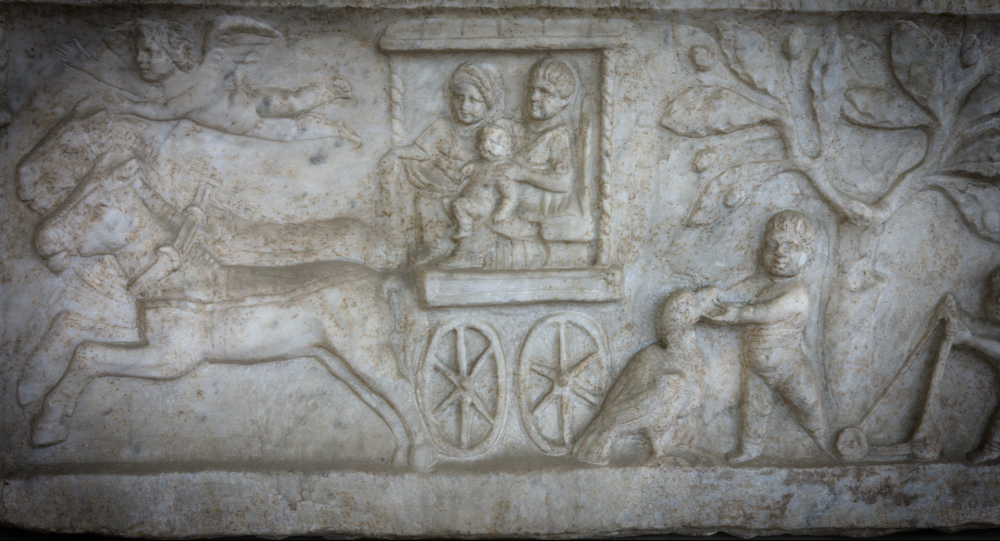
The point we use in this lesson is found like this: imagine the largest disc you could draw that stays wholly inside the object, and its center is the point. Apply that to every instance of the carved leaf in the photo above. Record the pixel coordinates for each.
(827, 81)
(878, 108)
(916, 61)
(978, 203)
(982, 104)
(979, 158)
(728, 191)
(712, 110)
(865, 61)
(751, 57)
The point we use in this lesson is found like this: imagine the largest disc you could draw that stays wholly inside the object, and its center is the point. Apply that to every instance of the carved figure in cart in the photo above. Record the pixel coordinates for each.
(433, 163)
(487, 200)
(553, 195)
(773, 361)
(659, 386)
(549, 202)
(175, 84)
(335, 312)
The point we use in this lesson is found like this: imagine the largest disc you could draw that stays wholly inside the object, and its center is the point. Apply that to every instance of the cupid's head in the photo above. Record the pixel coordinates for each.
(161, 50)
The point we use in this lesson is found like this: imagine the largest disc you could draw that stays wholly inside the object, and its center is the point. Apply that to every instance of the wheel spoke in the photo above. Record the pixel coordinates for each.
(586, 394)
(562, 346)
(579, 367)
(549, 396)
(480, 405)
(475, 363)
(464, 418)
(448, 373)
(460, 353)
(565, 419)
(448, 400)
(545, 371)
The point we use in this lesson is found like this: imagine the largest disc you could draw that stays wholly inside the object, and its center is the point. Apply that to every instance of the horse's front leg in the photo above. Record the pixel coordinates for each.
(166, 359)
(48, 362)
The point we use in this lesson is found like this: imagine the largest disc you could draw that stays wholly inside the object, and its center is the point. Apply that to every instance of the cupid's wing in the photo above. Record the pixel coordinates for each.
(237, 39)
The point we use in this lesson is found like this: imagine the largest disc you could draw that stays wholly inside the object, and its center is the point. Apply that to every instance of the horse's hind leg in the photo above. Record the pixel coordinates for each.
(342, 371)
(95, 360)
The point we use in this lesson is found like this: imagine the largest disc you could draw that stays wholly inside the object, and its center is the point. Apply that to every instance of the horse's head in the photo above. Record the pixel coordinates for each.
(67, 153)
(104, 214)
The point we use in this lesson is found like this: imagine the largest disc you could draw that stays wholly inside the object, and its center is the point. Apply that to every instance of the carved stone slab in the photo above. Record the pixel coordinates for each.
(523, 269)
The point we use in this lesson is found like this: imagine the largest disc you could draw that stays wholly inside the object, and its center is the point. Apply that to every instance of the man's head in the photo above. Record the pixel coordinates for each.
(551, 84)
(788, 243)
(495, 143)
(160, 51)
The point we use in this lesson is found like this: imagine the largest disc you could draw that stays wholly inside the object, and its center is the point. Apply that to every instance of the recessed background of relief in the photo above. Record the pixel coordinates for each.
(521, 270)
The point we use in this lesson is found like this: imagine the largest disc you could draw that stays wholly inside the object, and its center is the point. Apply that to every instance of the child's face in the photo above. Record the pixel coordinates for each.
(495, 145)
(784, 254)
(153, 62)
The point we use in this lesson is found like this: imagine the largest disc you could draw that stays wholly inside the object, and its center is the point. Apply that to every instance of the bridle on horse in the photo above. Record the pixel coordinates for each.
(169, 257)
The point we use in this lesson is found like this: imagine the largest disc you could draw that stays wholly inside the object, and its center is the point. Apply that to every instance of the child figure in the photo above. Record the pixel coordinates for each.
(487, 177)
(175, 81)
(773, 360)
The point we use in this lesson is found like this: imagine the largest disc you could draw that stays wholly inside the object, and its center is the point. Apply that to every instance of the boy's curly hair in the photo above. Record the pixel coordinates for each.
(792, 221)
(178, 46)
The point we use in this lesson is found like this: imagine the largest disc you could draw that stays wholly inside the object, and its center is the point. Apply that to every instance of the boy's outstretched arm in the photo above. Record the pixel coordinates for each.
(74, 55)
(789, 304)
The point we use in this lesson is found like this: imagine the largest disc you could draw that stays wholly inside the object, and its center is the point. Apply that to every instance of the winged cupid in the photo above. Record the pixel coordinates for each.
(172, 83)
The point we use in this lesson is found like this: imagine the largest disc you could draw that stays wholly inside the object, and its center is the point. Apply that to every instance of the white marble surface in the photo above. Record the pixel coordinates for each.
(548, 270)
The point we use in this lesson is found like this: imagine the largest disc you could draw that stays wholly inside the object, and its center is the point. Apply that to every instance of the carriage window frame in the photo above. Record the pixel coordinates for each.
(600, 282)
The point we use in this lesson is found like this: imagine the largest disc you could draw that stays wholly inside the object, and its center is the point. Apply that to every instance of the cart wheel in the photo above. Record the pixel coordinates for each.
(852, 444)
(462, 387)
(562, 377)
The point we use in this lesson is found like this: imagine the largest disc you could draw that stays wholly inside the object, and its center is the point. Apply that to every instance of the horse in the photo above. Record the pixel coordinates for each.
(69, 151)
(194, 310)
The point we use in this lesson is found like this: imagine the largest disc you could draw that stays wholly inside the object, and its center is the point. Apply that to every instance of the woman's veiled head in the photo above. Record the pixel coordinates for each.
(475, 93)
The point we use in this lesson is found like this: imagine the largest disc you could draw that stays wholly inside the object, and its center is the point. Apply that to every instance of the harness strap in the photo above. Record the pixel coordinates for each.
(170, 257)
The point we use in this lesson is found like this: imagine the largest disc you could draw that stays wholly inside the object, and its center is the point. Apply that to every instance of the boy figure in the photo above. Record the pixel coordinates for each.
(487, 176)
(958, 331)
(775, 323)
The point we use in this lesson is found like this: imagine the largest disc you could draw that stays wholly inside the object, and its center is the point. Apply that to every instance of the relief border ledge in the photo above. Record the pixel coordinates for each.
(967, 7)
(867, 500)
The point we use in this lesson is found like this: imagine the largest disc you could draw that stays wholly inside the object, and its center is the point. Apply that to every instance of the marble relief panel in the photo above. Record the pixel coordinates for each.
(461, 243)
